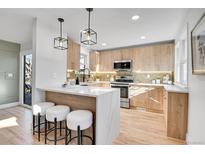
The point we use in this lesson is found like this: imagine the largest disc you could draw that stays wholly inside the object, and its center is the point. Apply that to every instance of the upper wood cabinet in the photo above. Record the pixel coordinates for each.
(157, 57)
(94, 61)
(107, 58)
(73, 56)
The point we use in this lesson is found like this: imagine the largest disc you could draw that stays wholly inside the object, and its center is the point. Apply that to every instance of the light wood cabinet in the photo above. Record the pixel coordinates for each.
(155, 102)
(176, 113)
(157, 57)
(139, 100)
(94, 61)
(165, 102)
(148, 97)
(174, 106)
(73, 56)
(107, 58)
(101, 84)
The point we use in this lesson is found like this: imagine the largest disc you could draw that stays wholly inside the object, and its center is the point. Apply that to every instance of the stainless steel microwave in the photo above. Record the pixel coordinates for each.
(122, 65)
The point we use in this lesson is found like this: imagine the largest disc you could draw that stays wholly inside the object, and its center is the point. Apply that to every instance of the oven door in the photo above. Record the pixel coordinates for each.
(124, 95)
(125, 104)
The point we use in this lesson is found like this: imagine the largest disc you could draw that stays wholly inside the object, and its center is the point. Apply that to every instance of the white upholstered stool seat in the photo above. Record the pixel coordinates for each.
(59, 112)
(41, 108)
(82, 118)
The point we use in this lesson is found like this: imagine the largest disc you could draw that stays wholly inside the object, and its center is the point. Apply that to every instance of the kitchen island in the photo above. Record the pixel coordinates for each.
(103, 102)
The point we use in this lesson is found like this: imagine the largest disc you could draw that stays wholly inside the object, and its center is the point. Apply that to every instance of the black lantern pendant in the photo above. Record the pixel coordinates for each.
(88, 36)
(60, 42)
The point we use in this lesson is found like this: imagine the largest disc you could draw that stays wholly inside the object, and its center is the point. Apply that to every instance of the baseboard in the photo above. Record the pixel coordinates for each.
(4, 106)
(26, 106)
(190, 140)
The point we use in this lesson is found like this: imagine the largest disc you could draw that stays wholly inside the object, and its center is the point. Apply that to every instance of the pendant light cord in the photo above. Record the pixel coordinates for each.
(60, 29)
(89, 21)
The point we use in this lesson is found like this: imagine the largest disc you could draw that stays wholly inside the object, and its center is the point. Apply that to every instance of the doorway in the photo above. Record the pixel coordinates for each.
(27, 83)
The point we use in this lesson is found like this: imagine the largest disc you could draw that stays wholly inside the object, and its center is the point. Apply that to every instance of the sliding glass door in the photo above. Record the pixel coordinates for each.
(27, 84)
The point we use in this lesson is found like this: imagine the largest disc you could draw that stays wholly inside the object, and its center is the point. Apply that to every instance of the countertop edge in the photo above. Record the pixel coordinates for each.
(72, 93)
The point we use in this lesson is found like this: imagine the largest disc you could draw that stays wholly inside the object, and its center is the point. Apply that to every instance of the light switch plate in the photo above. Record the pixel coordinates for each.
(9, 76)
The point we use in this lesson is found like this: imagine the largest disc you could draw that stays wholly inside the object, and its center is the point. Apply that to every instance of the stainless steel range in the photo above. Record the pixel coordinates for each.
(123, 84)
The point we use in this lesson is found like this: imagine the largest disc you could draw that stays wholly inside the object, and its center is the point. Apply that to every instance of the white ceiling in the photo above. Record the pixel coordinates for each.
(113, 26)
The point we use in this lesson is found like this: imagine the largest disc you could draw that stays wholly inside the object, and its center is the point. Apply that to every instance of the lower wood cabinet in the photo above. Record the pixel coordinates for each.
(148, 97)
(176, 114)
(173, 105)
(101, 84)
(155, 102)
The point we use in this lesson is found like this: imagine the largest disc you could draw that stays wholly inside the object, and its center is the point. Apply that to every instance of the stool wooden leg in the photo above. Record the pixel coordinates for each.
(34, 119)
(60, 127)
(55, 129)
(79, 135)
(45, 131)
(39, 121)
(66, 133)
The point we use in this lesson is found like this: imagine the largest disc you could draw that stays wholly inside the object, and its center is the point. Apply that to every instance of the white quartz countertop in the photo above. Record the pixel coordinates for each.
(169, 88)
(79, 90)
(175, 88)
(146, 84)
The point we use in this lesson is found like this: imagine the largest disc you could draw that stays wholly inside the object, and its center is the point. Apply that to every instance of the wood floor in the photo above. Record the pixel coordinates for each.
(136, 127)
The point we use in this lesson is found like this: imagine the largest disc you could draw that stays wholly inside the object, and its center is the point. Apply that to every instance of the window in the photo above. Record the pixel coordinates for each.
(181, 60)
(83, 60)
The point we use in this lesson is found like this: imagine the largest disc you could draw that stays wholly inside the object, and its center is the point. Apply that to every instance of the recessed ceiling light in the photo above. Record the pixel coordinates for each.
(135, 17)
(104, 44)
(142, 37)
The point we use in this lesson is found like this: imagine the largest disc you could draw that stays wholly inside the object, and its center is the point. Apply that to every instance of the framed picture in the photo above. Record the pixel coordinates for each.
(198, 47)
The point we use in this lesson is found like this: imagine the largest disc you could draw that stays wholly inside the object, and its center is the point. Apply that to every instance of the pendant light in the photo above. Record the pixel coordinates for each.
(60, 42)
(88, 36)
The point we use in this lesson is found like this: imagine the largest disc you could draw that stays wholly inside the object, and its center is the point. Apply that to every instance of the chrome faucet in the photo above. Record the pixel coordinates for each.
(83, 70)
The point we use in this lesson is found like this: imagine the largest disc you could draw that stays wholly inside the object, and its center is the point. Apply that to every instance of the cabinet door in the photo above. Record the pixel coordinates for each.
(94, 61)
(140, 96)
(165, 102)
(177, 115)
(166, 59)
(70, 64)
(155, 99)
(103, 61)
(76, 50)
(127, 54)
(107, 58)
(73, 56)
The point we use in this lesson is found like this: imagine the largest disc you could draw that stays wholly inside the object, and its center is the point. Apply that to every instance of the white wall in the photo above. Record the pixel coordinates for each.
(49, 64)
(26, 46)
(196, 85)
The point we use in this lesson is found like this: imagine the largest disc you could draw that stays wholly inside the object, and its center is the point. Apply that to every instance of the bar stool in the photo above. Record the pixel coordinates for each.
(80, 120)
(55, 114)
(39, 110)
